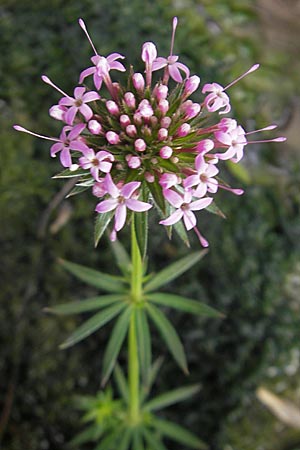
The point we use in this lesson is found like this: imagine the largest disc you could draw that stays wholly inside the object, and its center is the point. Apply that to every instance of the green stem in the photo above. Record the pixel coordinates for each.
(133, 358)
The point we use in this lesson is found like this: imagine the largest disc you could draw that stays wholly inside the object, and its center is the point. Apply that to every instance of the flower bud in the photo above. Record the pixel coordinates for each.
(149, 53)
(129, 99)
(134, 162)
(58, 112)
(161, 92)
(140, 145)
(183, 130)
(205, 146)
(131, 130)
(162, 134)
(145, 109)
(165, 152)
(163, 106)
(166, 122)
(191, 85)
(94, 127)
(138, 81)
(112, 137)
(124, 120)
(137, 118)
(149, 177)
(112, 107)
(146, 130)
(192, 110)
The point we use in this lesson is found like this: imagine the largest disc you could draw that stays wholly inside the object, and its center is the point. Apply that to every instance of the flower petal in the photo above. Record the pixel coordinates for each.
(129, 188)
(189, 219)
(173, 218)
(120, 216)
(200, 204)
(137, 205)
(172, 197)
(86, 111)
(70, 115)
(85, 73)
(107, 205)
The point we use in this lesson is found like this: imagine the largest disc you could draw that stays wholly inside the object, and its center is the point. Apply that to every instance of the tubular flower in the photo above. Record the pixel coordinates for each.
(148, 144)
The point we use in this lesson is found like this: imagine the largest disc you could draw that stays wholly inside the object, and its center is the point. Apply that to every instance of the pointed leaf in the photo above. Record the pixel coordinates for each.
(177, 433)
(152, 375)
(101, 223)
(171, 397)
(137, 441)
(144, 340)
(111, 440)
(214, 209)
(183, 304)
(93, 277)
(86, 305)
(121, 382)
(181, 231)
(126, 438)
(157, 195)
(153, 442)
(92, 433)
(141, 230)
(174, 270)
(93, 324)
(71, 173)
(115, 342)
(169, 335)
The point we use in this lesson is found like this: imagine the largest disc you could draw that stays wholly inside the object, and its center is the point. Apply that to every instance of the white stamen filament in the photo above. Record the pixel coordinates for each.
(175, 21)
(82, 25)
(48, 81)
(23, 130)
(252, 69)
(270, 127)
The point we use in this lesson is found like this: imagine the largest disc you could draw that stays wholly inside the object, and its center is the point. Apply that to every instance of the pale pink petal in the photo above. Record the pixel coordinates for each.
(184, 68)
(212, 185)
(66, 101)
(159, 63)
(211, 170)
(105, 155)
(173, 218)
(70, 114)
(190, 181)
(200, 204)
(111, 187)
(56, 148)
(113, 56)
(129, 188)
(85, 163)
(107, 205)
(200, 163)
(173, 198)
(78, 146)
(189, 219)
(85, 73)
(75, 132)
(97, 81)
(90, 97)
(116, 65)
(120, 216)
(105, 166)
(174, 73)
(137, 205)
(65, 157)
(224, 138)
(88, 153)
(228, 154)
(79, 91)
(95, 173)
(86, 111)
(201, 190)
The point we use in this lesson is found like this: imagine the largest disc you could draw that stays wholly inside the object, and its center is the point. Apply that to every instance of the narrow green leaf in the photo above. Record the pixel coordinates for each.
(126, 439)
(152, 375)
(171, 397)
(121, 382)
(101, 223)
(137, 441)
(93, 324)
(92, 433)
(71, 173)
(89, 304)
(181, 232)
(177, 433)
(144, 340)
(77, 190)
(111, 440)
(169, 335)
(121, 256)
(157, 195)
(93, 277)
(141, 231)
(153, 442)
(183, 304)
(115, 342)
(174, 270)
(214, 209)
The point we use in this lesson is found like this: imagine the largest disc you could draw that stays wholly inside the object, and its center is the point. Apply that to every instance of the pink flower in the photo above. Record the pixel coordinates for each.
(185, 208)
(235, 142)
(120, 200)
(67, 142)
(79, 103)
(217, 98)
(101, 161)
(203, 179)
(149, 54)
(102, 67)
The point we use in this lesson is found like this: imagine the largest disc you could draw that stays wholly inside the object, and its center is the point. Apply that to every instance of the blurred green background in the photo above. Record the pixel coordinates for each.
(252, 272)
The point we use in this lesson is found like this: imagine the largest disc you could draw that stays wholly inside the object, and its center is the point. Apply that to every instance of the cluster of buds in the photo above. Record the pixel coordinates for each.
(148, 144)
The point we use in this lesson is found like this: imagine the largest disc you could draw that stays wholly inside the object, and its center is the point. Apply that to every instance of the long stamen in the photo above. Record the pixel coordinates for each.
(252, 69)
(24, 130)
(279, 139)
(82, 25)
(270, 127)
(175, 21)
(202, 239)
(227, 188)
(48, 81)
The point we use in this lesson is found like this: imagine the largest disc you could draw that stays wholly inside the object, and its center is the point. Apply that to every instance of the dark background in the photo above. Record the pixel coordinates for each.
(252, 272)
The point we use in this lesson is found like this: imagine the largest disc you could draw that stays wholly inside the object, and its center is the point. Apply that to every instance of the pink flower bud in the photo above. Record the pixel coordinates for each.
(175, 159)
(145, 109)
(124, 120)
(146, 130)
(112, 137)
(183, 130)
(149, 52)
(137, 118)
(94, 127)
(58, 112)
(140, 145)
(192, 110)
(191, 85)
(205, 146)
(154, 121)
(149, 177)
(166, 122)
(129, 99)
(163, 106)
(138, 81)
(161, 92)
(131, 130)
(165, 152)
(134, 162)
(162, 134)
(112, 107)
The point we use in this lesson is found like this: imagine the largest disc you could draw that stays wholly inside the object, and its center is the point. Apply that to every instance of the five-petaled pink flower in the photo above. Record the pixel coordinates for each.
(100, 161)
(101, 68)
(68, 140)
(217, 98)
(79, 103)
(120, 200)
(203, 179)
(235, 141)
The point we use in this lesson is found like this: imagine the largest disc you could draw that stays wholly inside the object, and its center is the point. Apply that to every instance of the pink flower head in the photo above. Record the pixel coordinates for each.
(69, 140)
(79, 103)
(184, 210)
(120, 200)
(101, 161)
(235, 142)
(217, 98)
(203, 179)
